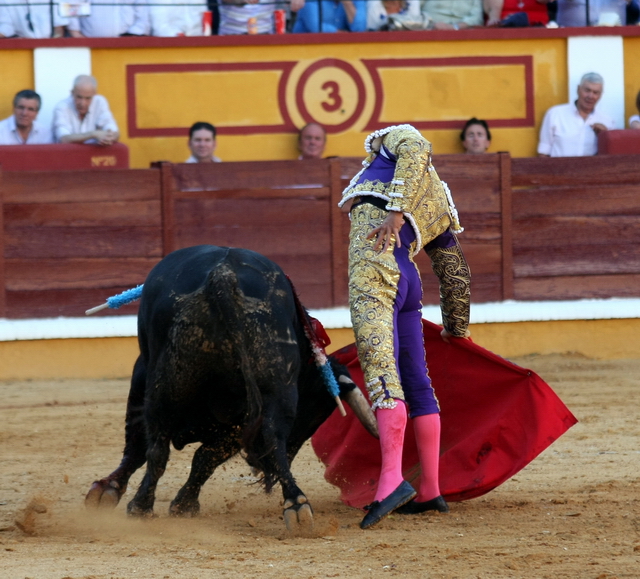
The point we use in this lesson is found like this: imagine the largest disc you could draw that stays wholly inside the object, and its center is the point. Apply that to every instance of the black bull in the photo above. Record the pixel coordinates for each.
(224, 361)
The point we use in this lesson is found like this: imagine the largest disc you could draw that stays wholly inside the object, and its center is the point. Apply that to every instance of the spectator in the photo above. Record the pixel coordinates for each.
(312, 139)
(202, 143)
(26, 20)
(337, 15)
(167, 18)
(475, 136)
(379, 11)
(608, 12)
(21, 128)
(634, 121)
(442, 15)
(498, 10)
(571, 130)
(252, 17)
(84, 116)
(111, 18)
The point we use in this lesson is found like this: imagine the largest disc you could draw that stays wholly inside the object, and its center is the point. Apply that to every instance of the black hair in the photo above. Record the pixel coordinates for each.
(202, 125)
(27, 94)
(474, 121)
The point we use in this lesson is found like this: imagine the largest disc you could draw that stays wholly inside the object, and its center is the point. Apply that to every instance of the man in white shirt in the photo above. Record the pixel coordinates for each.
(26, 20)
(171, 19)
(84, 116)
(21, 127)
(202, 143)
(111, 18)
(571, 130)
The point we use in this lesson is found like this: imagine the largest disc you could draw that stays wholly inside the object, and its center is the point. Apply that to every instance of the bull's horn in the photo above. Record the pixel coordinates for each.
(361, 408)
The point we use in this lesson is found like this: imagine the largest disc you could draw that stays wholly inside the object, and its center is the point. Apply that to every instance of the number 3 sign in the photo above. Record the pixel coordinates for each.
(332, 93)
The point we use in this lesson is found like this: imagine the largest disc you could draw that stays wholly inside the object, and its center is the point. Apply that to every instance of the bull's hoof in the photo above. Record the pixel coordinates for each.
(298, 516)
(103, 494)
(135, 510)
(184, 508)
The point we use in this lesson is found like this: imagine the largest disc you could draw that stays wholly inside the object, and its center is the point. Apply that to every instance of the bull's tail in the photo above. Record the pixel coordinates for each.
(222, 285)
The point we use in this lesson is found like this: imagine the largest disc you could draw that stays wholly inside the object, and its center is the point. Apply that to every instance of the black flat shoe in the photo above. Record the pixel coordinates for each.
(415, 508)
(378, 510)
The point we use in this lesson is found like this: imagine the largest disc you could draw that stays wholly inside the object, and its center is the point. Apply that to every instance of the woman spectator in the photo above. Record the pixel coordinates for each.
(475, 136)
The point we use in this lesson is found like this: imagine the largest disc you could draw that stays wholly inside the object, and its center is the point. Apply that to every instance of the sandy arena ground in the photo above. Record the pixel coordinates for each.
(572, 513)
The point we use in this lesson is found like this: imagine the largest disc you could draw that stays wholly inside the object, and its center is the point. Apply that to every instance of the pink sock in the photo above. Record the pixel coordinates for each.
(391, 425)
(427, 430)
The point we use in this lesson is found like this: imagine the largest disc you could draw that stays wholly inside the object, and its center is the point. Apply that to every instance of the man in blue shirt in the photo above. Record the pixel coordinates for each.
(337, 15)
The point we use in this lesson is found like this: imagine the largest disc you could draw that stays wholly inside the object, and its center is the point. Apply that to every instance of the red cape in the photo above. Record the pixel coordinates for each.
(496, 418)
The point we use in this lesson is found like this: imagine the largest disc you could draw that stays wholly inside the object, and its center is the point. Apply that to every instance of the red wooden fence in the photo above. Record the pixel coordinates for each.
(534, 228)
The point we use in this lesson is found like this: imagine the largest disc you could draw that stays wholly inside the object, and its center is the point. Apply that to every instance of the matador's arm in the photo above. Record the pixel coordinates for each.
(449, 264)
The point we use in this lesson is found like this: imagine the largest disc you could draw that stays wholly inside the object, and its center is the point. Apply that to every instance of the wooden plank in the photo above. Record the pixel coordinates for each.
(81, 186)
(482, 258)
(339, 251)
(262, 193)
(61, 242)
(619, 199)
(167, 193)
(100, 214)
(578, 287)
(507, 226)
(3, 296)
(251, 175)
(313, 243)
(577, 260)
(70, 302)
(82, 273)
(254, 213)
(484, 288)
(574, 171)
(575, 230)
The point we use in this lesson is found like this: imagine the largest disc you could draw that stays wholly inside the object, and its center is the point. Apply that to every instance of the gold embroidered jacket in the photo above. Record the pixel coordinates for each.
(415, 190)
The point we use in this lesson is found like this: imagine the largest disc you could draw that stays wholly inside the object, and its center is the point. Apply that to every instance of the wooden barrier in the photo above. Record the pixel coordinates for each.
(63, 157)
(535, 229)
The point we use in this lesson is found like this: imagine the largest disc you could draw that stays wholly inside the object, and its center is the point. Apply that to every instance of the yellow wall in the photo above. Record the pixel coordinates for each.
(427, 92)
(16, 74)
(468, 91)
(631, 76)
(114, 357)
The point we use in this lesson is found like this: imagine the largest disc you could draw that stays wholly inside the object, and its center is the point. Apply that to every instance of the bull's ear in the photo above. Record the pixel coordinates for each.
(359, 404)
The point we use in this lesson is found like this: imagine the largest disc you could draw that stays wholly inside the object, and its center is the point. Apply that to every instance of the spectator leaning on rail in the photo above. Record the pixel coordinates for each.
(177, 17)
(380, 11)
(571, 130)
(21, 128)
(475, 136)
(252, 17)
(342, 15)
(312, 139)
(441, 15)
(498, 10)
(111, 18)
(26, 20)
(601, 12)
(202, 143)
(84, 116)
(634, 121)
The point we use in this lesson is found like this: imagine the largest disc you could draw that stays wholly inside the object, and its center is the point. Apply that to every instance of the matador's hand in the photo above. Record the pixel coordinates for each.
(389, 228)
(446, 336)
